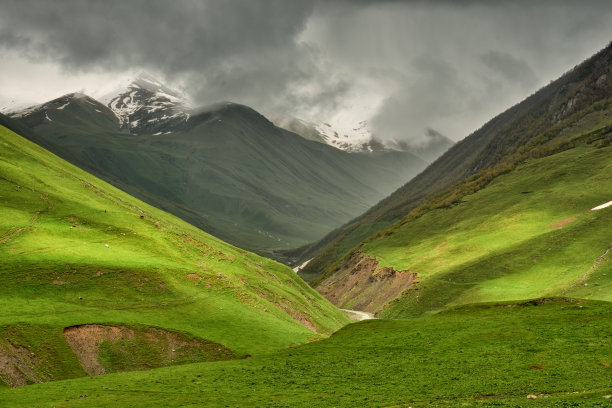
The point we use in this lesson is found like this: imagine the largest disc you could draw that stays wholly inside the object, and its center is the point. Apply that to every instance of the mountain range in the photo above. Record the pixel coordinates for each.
(224, 168)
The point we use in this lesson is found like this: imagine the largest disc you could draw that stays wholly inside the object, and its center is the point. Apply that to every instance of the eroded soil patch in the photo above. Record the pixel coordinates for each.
(16, 365)
(364, 285)
(104, 348)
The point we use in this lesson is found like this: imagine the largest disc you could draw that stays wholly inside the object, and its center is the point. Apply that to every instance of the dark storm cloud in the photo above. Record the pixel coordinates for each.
(175, 34)
(513, 69)
(444, 65)
(452, 65)
(228, 47)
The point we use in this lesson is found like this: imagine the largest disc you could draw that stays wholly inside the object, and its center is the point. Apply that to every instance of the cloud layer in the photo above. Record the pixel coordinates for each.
(405, 66)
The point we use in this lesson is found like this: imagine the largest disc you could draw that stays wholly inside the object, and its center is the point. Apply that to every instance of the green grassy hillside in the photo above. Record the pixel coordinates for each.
(227, 170)
(528, 234)
(75, 250)
(578, 101)
(477, 356)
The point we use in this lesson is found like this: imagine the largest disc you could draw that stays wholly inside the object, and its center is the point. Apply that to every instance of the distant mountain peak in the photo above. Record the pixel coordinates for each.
(358, 138)
(345, 135)
(144, 104)
(55, 104)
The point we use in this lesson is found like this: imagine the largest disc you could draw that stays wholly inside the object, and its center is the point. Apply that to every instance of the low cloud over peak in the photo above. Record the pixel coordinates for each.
(404, 66)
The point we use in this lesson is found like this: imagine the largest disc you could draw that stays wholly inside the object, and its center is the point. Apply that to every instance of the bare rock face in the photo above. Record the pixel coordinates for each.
(362, 284)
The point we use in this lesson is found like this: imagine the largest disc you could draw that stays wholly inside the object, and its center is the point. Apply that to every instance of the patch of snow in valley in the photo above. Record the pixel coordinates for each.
(302, 266)
(602, 206)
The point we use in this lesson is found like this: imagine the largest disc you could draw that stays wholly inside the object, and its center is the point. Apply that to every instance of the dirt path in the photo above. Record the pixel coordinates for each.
(590, 271)
(358, 315)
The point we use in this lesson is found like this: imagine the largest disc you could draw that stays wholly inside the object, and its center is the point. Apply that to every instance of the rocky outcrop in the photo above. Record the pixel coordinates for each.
(362, 284)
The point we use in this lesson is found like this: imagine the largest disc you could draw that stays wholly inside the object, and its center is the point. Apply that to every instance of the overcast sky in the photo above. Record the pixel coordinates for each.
(404, 66)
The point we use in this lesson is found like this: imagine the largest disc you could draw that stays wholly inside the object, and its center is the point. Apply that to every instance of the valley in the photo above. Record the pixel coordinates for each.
(224, 168)
(277, 218)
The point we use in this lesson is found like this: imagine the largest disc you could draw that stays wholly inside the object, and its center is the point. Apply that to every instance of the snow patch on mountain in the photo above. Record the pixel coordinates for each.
(346, 136)
(351, 137)
(57, 104)
(144, 104)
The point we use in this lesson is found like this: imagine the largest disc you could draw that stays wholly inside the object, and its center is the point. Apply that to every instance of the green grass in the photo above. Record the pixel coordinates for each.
(527, 234)
(508, 241)
(76, 250)
(479, 356)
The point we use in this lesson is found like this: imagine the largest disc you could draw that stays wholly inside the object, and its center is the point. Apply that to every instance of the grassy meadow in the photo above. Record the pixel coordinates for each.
(76, 250)
(485, 355)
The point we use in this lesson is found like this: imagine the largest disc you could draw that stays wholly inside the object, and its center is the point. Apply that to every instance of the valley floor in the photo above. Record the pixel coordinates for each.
(556, 350)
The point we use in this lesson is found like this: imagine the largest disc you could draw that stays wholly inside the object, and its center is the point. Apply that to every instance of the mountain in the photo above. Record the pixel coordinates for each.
(433, 145)
(347, 136)
(360, 139)
(224, 168)
(551, 120)
(97, 281)
(146, 106)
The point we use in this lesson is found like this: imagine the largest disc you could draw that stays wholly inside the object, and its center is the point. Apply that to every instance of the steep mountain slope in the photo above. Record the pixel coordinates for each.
(530, 233)
(87, 268)
(535, 127)
(224, 168)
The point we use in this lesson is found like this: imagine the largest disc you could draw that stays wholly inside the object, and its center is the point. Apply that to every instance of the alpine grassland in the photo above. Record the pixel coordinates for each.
(77, 252)
(529, 233)
(556, 351)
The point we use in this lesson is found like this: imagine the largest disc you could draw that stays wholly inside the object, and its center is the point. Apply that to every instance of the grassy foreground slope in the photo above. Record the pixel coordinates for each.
(476, 356)
(530, 233)
(75, 250)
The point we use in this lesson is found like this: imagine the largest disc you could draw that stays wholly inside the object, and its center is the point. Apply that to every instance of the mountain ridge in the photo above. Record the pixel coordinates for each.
(225, 168)
(509, 135)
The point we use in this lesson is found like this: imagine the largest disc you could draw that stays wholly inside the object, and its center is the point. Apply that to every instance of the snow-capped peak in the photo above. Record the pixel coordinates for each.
(143, 104)
(344, 135)
(56, 104)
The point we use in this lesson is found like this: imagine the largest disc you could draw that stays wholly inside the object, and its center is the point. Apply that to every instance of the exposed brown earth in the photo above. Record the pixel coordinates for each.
(85, 343)
(171, 347)
(361, 284)
(16, 364)
(563, 223)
